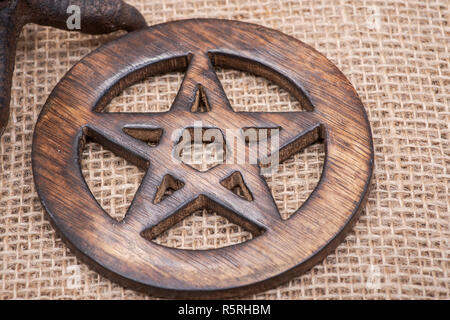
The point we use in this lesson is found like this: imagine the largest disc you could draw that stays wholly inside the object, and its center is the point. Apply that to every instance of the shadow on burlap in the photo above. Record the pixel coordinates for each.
(396, 54)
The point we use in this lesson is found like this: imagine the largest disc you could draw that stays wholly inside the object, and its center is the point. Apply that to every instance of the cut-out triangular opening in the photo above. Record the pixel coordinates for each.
(236, 184)
(168, 186)
(201, 103)
(203, 230)
(148, 135)
(154, 94)
(112, 180)
(296, 178)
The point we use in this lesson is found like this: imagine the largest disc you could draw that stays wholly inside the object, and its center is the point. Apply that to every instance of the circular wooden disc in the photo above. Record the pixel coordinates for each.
(281, 249)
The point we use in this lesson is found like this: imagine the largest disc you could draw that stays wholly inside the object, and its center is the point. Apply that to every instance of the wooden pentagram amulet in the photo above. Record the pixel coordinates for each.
(280, 249)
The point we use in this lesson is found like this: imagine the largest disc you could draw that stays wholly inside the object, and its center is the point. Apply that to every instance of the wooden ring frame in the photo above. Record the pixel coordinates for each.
(281, 249)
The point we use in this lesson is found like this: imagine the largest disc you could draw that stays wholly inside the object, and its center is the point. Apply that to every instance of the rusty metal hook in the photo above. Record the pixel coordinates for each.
(97, 17)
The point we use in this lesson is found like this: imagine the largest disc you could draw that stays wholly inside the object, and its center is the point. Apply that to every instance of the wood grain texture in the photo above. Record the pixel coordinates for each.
(97, 17)
(281, 248)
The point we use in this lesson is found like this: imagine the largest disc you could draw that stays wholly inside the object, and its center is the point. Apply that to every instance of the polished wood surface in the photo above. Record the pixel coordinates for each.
(281, 249)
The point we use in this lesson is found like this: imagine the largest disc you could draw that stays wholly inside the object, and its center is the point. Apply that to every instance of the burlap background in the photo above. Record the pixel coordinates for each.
(396, 53)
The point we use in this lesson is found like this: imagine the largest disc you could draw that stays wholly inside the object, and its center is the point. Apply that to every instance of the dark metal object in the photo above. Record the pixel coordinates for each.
(97, 17)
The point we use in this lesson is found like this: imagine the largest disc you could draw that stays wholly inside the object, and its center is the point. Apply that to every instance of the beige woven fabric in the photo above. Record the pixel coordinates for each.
(396, 53)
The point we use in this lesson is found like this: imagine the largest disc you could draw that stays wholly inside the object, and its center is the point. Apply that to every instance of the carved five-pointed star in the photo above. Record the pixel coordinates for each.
(194, 189)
